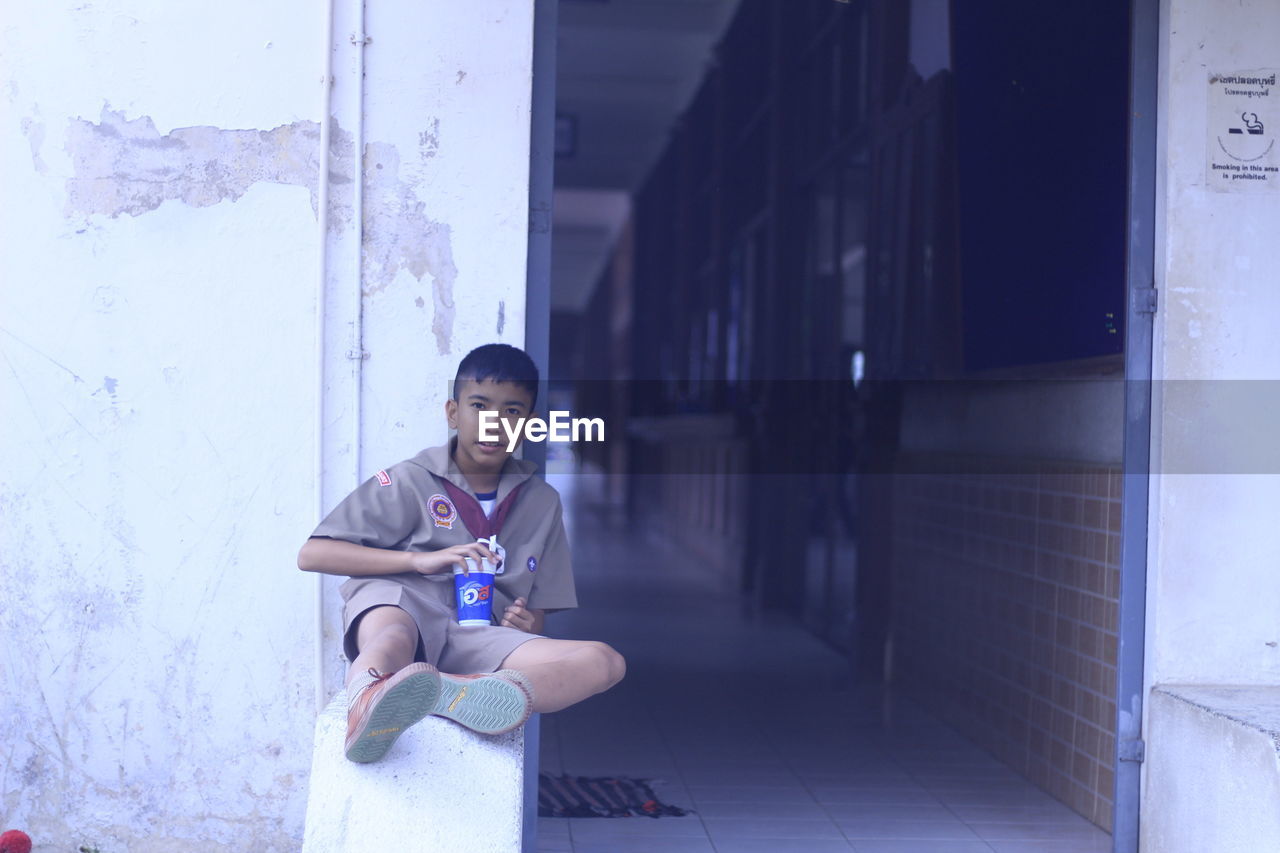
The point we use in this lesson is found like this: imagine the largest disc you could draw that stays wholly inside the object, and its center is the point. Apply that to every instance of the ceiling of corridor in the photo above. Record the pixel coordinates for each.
(626, 69)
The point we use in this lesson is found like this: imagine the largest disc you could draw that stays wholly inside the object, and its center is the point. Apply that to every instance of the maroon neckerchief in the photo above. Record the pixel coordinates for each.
(472, 514)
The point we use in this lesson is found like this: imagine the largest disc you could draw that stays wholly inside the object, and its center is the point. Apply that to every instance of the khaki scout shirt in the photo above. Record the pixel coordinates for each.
(401, 509)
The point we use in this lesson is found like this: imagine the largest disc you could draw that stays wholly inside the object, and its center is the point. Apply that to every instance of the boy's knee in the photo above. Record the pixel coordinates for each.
(614, 664)
(403, 637)
(617, 666)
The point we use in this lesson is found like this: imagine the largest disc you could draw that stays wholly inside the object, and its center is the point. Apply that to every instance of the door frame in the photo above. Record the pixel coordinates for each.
(1144, 81)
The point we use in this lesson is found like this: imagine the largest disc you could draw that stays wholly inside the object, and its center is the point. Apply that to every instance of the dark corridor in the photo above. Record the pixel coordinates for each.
(841, 339)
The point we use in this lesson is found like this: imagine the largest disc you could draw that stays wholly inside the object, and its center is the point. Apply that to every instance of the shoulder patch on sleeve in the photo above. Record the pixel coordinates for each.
(384, 479)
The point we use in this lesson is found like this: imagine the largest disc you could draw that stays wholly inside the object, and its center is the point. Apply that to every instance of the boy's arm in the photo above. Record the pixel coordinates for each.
(553, 587)
(337, 557)
(360, 536)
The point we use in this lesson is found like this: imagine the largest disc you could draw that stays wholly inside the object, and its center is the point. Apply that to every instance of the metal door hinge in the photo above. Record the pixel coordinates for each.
(540, 219)
(1133, 750)
(1144, 300)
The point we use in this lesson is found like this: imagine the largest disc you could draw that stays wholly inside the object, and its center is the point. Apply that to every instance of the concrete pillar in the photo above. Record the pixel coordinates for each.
(437, 96)
(1212, 594)
(172, 426)
(1212, 597)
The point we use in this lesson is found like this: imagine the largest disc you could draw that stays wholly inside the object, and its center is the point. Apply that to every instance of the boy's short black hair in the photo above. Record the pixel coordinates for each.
(500, 363)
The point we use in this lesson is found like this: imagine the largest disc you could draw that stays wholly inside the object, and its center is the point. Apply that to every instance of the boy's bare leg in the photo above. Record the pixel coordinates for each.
(387, 639)
(386, 691)
(564, 672)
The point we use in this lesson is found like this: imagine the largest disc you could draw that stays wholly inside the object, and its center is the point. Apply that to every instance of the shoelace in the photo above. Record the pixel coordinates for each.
(378, 678)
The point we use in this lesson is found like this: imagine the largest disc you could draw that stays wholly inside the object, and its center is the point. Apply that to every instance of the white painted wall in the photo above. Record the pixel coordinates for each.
(1214, 558)
(159, 385)
(1213, 596)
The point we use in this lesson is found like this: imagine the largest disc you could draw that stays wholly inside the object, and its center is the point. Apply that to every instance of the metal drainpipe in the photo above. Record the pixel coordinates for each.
(356, 352)
(322, 202)
(542, 111)
(1144, 81)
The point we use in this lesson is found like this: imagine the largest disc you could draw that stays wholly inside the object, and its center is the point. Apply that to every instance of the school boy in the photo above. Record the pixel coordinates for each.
(398, 537)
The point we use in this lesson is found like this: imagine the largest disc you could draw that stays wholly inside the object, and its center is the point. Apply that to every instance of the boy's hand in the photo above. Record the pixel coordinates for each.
(519, 617)
(443, 560)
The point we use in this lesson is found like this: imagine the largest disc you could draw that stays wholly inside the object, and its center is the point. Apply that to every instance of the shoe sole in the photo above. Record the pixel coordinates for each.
(400, 707)
(521, 680)
(490, 705)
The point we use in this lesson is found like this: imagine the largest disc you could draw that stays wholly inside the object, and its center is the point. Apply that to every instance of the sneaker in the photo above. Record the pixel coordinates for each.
(387, 706)
(490, 703)
(519, 678)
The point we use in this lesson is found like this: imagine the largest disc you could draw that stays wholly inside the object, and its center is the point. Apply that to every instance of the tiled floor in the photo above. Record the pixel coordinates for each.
(755, 726)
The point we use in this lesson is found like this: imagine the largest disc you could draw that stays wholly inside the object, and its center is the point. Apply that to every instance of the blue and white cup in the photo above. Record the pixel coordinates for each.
(474, 593)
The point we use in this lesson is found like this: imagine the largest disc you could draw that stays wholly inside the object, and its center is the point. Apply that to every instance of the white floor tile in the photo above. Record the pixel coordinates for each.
(1056, 813)
(1036, 831)
(859, 779)
(743, 777)
(778, 811)
(603, 828)
(920, 830)
(779, 845)
(756, 794)
(1041, 846)
(553, 827)
(647, 845)
(901, 796)
(1025, 796)
(889, 811)
(555, 845)
(771, 827)
(896, 846)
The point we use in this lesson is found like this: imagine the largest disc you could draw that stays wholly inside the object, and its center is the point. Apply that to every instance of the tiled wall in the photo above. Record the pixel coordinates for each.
(1006, 590)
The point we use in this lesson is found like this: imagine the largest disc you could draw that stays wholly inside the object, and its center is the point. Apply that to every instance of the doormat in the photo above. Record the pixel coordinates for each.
(584, 796)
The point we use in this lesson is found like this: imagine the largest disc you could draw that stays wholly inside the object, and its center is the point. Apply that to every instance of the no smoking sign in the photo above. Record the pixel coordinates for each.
(1243, 155)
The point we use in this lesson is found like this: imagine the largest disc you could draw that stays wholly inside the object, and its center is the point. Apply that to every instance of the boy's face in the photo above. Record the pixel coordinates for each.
(508, 400)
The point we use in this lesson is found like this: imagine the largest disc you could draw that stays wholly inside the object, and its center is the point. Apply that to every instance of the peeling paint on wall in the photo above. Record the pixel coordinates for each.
(127, 166)
(398, 235)
(429, 141)
(33, 130)
(502, 316)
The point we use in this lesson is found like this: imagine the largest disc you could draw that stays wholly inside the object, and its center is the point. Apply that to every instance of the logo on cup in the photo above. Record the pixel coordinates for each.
(474, 593)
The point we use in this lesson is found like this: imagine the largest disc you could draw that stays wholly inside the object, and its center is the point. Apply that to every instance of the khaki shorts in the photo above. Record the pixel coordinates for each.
(442, 642)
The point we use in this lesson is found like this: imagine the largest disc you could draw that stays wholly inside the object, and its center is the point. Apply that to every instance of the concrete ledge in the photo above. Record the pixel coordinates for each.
(441, 787)
(1213, 770)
